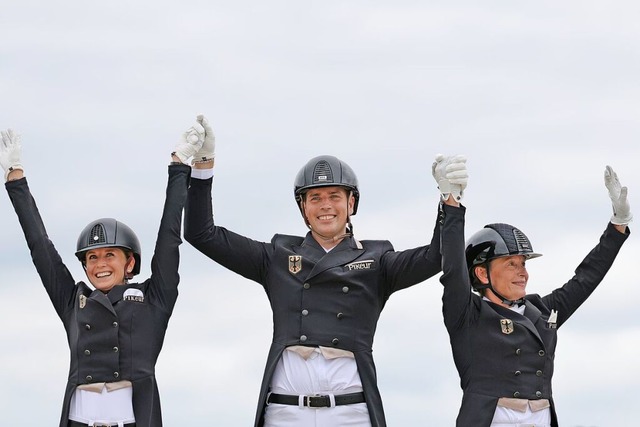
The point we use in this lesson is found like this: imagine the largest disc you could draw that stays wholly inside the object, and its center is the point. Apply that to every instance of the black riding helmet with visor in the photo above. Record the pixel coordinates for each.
(496, 241)
(109, 233)
(326, 171)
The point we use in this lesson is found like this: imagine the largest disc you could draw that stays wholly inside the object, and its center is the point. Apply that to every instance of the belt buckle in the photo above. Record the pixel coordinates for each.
(318, 401)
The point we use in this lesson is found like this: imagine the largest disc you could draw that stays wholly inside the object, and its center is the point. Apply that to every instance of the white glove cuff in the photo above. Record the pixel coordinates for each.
(203, 157)
(617, 220)
(11, 168)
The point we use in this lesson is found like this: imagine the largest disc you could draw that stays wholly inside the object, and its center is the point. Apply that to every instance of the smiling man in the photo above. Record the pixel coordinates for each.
(326, 291)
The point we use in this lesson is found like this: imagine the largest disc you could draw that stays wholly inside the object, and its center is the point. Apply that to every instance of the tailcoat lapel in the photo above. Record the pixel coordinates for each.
(345, 252)
(531, 315)
(102, 299)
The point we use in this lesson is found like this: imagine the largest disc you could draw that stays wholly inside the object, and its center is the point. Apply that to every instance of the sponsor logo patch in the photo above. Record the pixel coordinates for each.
(133, 294)
(360, 265)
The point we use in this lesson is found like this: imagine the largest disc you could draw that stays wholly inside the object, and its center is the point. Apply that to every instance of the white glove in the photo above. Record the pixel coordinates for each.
(451, 175)
(208, 150)
(10, 151)
(618, 194)
(190, 142)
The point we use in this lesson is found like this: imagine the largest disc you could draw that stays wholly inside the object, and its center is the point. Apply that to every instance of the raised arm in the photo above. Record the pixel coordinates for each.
(451, 176)
(54, 275)
(166, 256)
(592, 270)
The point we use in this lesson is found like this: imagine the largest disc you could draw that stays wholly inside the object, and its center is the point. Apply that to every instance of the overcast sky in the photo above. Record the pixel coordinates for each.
(540, 96)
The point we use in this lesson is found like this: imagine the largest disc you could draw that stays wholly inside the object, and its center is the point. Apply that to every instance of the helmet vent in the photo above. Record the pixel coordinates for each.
(521, 241)
(322, 172)
(97, 235)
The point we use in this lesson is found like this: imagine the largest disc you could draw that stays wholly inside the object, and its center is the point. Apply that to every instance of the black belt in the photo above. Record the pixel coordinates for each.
(79, 424)
(317, 401)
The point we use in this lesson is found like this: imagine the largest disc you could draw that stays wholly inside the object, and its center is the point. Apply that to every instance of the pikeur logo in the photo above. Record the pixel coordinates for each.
(360, 265)
(133, 294)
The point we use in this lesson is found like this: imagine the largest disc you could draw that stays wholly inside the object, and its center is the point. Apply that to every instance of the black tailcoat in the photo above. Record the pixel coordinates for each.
(318, 299)
(115, 336)
(498, 352)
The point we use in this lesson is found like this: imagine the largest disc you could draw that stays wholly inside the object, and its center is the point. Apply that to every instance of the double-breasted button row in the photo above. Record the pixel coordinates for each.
(538, 373)
(88, 326)
(541, 353)
(87, 352)
(345, 289)
(89, 378)
(516, 394)
(305, 312)
(334, 341)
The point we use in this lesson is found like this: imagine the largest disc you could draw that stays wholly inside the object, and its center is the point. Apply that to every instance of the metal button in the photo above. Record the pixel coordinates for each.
(87, 353)
(516, 394)
(541, 353)
(538, 373)
(305, 312)
(339, 315)
(538, 394)
(89, 378)
(114, 324)
(303, 338)
(518, 351)
(306, 286)
(116, 374)
(87, 326)
(345, 289)
(116, 349)
(518, 373)
(335, 341)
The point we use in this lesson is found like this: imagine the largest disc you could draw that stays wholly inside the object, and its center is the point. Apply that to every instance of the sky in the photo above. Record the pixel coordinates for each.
(539, 96)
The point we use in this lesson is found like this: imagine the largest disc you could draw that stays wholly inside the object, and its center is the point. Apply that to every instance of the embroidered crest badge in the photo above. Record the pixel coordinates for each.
(295, 264)
(83, 301)
(506, 325)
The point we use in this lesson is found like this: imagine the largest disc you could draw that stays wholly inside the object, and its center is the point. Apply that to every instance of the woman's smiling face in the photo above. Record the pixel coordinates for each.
(106, 267)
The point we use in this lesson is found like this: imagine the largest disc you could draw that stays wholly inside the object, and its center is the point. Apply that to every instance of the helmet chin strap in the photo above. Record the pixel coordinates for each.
(506, 301)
